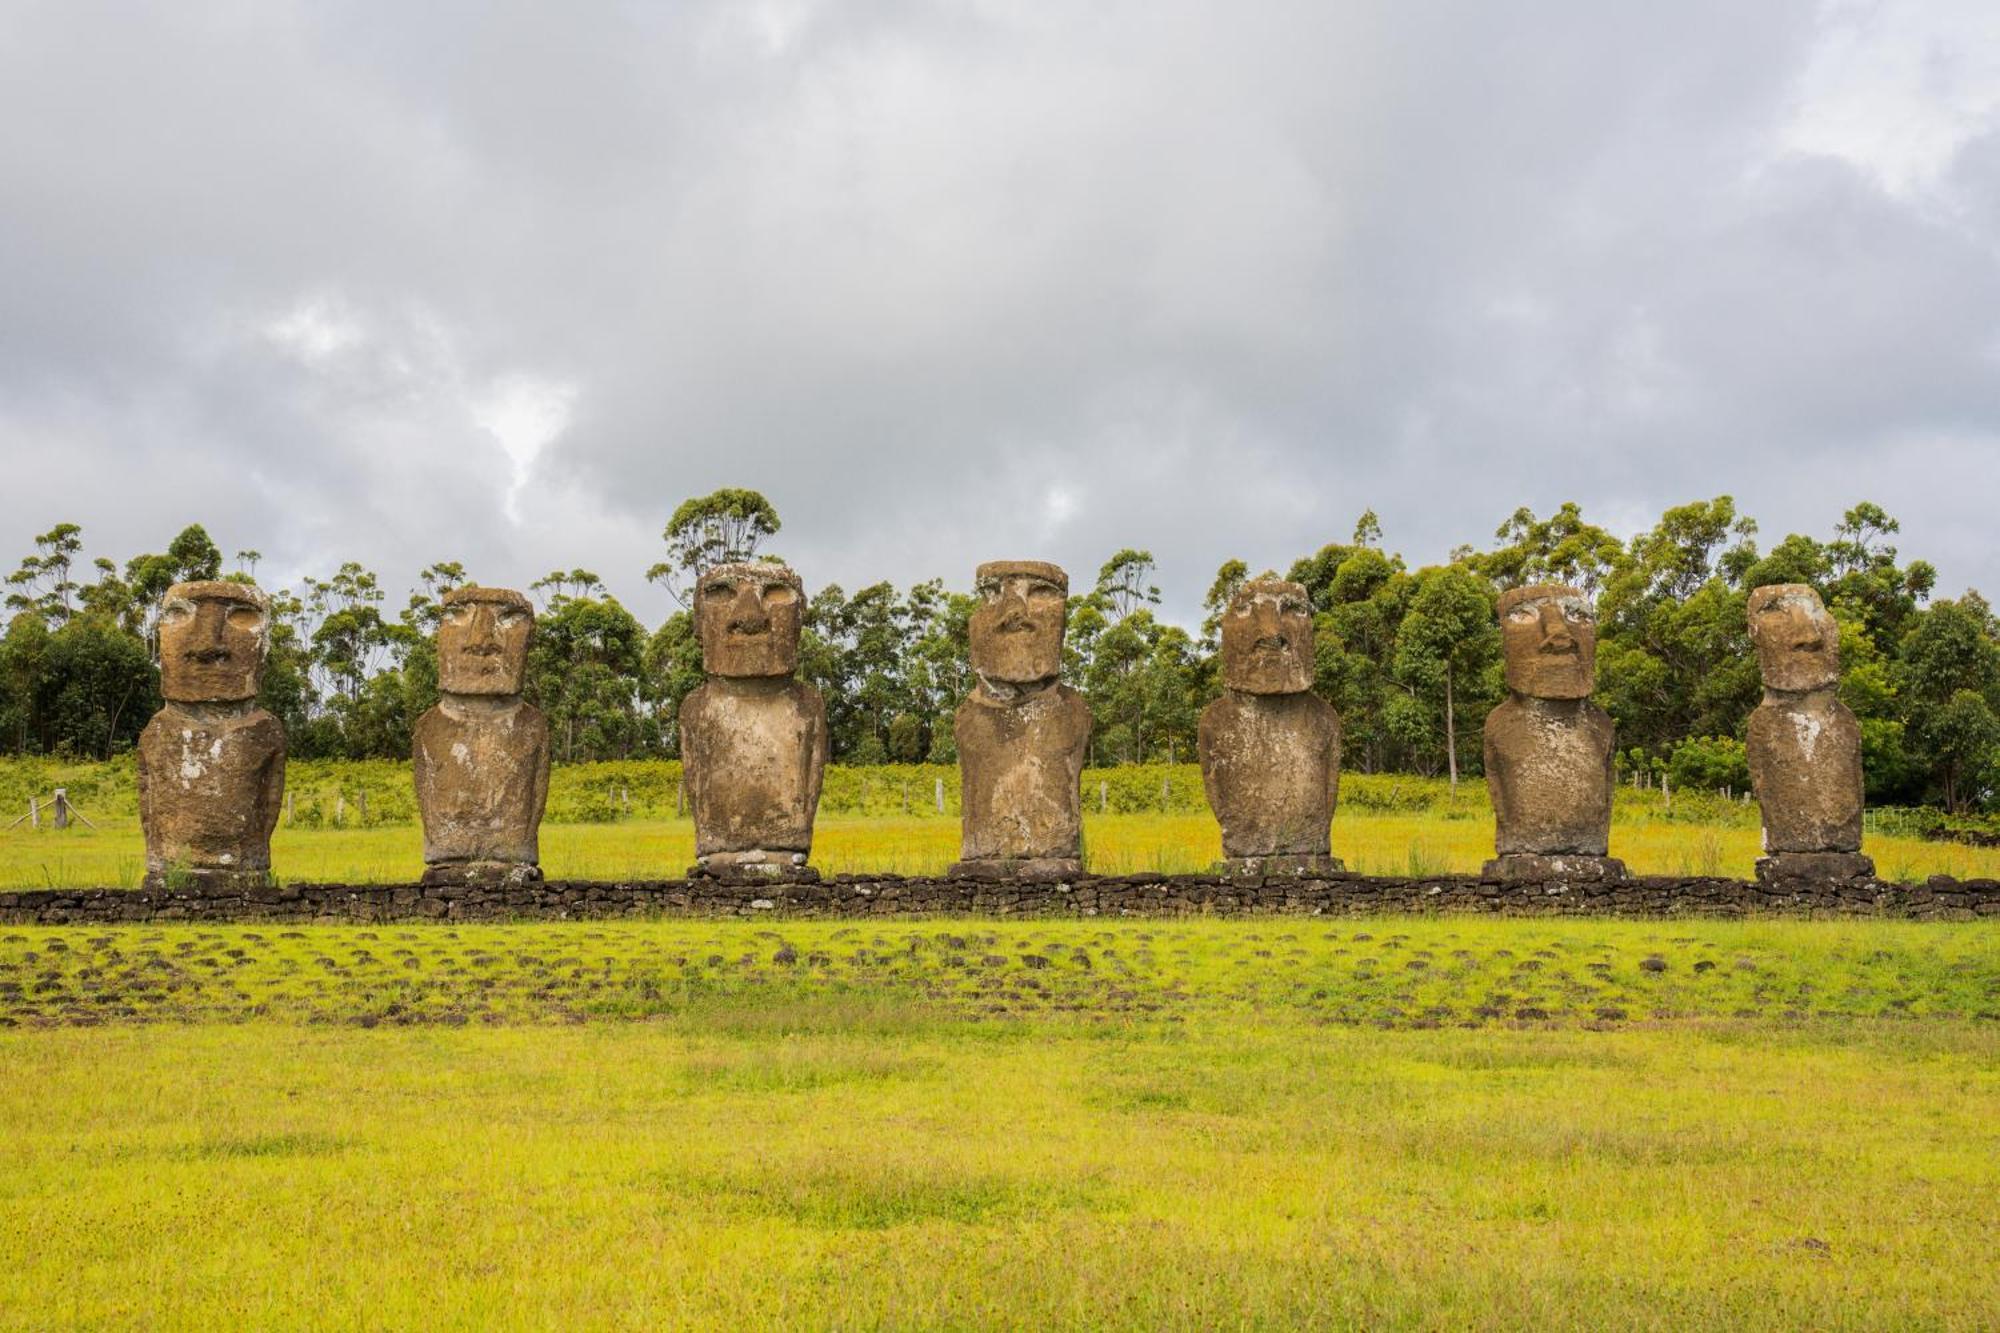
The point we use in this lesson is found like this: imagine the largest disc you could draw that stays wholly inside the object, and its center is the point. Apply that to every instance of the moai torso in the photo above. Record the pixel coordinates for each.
(211, 783)
(482, 772)
(1805, 764)
(1020, 765)
(1271, 767)
(1548, 768)
(754, 754)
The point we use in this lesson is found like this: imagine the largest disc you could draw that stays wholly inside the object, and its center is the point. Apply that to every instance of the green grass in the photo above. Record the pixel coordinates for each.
(1387, 843)
(1395, 1123)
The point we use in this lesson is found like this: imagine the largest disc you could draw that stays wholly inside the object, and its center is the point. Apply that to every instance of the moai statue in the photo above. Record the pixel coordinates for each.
(211, 763)
(482, 754)
(1548, 748)
(1804, 744)
(1021, 735)
(1270, 747)
(753, 739)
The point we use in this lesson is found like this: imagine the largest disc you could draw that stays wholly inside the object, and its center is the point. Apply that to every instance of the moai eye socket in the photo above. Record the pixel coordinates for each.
(246, 618)
(1293, 606)
(988, 590)
(1044, 594)
(509, 616)
(1527, 613)
(177, 613)
(780, 594)
(719, 590)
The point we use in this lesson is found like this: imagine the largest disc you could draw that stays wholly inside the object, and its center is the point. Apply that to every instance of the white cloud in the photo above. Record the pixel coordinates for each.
(1898, 88)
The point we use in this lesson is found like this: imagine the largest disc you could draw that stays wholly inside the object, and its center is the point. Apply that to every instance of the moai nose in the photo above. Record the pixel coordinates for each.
(1555, 630)
(484, 639)
(747, 614)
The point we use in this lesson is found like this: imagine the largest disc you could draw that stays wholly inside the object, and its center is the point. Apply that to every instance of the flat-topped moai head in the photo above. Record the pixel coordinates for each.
(482, 641)
(1016, 631)
(1267, 638)
(1798, 642)
(1548, 634)
(748, 616)
(213, 638)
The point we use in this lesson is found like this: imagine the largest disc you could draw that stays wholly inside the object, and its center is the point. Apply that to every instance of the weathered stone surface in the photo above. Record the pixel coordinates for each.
(481, 756)
(1939, 899)
(211, 763)
(1269, 747)
(753, 739)
(1520, 867)
(1548, 748)
(1804, 744)
(1814, 867)
(1021, 735)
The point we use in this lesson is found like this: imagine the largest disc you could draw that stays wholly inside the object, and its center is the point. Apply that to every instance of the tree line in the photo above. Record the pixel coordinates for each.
(1409, 657)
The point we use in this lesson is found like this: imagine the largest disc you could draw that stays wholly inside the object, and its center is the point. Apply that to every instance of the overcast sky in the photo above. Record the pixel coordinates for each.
(954, 282)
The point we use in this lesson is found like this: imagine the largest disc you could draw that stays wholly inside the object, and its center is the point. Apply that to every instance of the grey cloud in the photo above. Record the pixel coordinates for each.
(956, 281)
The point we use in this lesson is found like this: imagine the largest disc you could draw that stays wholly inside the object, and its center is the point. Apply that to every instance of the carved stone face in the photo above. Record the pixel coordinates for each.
(1549, 636)
(213, 637)
(1267, 638)
(1016, 631)
(482, 641)
(1798, 643)
(748, 617)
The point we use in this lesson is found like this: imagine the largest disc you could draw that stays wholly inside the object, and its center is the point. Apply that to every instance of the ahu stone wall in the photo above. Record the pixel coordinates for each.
(1938, 899)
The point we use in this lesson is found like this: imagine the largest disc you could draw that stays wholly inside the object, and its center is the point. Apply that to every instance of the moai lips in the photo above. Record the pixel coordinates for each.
(1548, 748)
(211, 763)
(1021, 735)
(481, 756)
(1804, 744)
(753, 739)
(1269, 747)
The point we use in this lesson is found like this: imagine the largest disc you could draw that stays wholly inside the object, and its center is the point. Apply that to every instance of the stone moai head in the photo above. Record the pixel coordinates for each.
(1016, 631)
(1798, 643)
(1267, 638)
(482, 641)
(748, 617)
(1548, 633)
(213, 637)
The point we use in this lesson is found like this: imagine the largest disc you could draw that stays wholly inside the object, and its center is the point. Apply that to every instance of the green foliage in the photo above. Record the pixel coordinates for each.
(721, 528)
(1409, 659)
(1709, 763)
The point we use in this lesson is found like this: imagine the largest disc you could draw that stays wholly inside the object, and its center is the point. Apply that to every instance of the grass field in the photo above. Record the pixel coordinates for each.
(1422, 842)
(1411, 1122)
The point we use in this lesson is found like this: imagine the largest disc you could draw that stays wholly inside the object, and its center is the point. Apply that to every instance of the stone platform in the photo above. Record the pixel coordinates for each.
(1939, 898)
